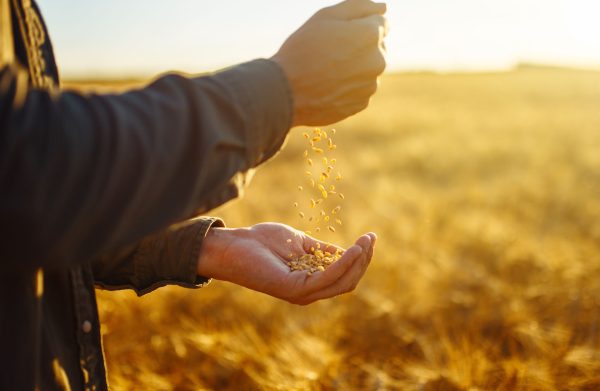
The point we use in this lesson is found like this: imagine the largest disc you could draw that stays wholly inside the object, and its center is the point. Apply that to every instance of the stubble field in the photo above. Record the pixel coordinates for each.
(484, 190)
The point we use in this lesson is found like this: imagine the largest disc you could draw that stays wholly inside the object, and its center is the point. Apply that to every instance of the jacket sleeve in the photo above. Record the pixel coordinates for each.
(83, 175)
(166, 258)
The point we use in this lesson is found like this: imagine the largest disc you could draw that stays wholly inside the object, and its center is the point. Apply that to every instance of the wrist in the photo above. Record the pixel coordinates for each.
(285, 69)
(211, 251)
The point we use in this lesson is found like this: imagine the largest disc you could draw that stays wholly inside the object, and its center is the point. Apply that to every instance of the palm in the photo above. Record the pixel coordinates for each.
(257, 258)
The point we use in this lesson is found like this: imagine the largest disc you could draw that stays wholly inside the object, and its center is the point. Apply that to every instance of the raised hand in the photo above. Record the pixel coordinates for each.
(256, 258)
(333, 61)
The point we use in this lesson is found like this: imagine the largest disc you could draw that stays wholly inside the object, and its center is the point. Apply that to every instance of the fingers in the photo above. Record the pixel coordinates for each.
(352, 9)
(333, 273)
(347, 281)
(370, 32)
(356, 97)
(373, 237)
(372, 29)
(369, 64)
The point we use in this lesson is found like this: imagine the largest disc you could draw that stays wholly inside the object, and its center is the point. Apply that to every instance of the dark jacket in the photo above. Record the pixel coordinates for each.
(91, 185)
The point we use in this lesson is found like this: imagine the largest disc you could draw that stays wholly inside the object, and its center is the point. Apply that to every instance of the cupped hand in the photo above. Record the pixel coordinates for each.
(257, 257)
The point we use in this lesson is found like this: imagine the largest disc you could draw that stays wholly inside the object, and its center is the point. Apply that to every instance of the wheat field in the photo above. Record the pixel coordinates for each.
(484, 190)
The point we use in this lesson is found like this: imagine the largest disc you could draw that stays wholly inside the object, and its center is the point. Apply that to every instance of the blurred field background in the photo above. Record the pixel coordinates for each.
(484, 190)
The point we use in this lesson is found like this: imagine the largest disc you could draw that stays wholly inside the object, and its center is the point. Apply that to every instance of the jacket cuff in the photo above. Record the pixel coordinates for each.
(172, 258)
(265, 99)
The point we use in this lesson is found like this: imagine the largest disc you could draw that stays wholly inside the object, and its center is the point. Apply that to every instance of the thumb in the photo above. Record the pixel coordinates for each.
(352, 9)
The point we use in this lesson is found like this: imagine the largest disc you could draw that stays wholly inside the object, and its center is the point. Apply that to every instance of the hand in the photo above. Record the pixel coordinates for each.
(333, 61)
(256, 259)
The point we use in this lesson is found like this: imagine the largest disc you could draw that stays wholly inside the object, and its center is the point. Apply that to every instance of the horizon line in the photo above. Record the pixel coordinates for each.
(107, 76)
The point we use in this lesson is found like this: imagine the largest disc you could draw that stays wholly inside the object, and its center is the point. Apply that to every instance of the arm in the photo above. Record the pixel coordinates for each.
(81, 175)
(190, 253)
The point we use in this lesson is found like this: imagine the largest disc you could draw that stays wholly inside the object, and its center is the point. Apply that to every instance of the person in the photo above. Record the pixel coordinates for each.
(102, 190)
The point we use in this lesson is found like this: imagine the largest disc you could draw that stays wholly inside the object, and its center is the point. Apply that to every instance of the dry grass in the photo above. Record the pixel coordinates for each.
(485, 192)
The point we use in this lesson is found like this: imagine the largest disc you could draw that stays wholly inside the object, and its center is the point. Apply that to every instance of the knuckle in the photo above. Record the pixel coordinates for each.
(379, 63)
(381, 21)
(378, 25)
(366, 33)
(364, 104)
(341, 109)
(373, 88)
(357, 107)
(373, 33)
(386, 26)
(323, 12)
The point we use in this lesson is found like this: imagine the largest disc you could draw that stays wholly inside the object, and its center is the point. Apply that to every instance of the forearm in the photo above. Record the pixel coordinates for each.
(85, 174)
(167, 258)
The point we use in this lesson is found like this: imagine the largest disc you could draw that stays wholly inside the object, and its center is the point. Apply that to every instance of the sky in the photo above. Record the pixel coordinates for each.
(124, 38)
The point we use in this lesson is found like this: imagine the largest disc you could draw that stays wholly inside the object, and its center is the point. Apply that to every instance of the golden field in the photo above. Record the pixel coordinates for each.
(484, 190)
